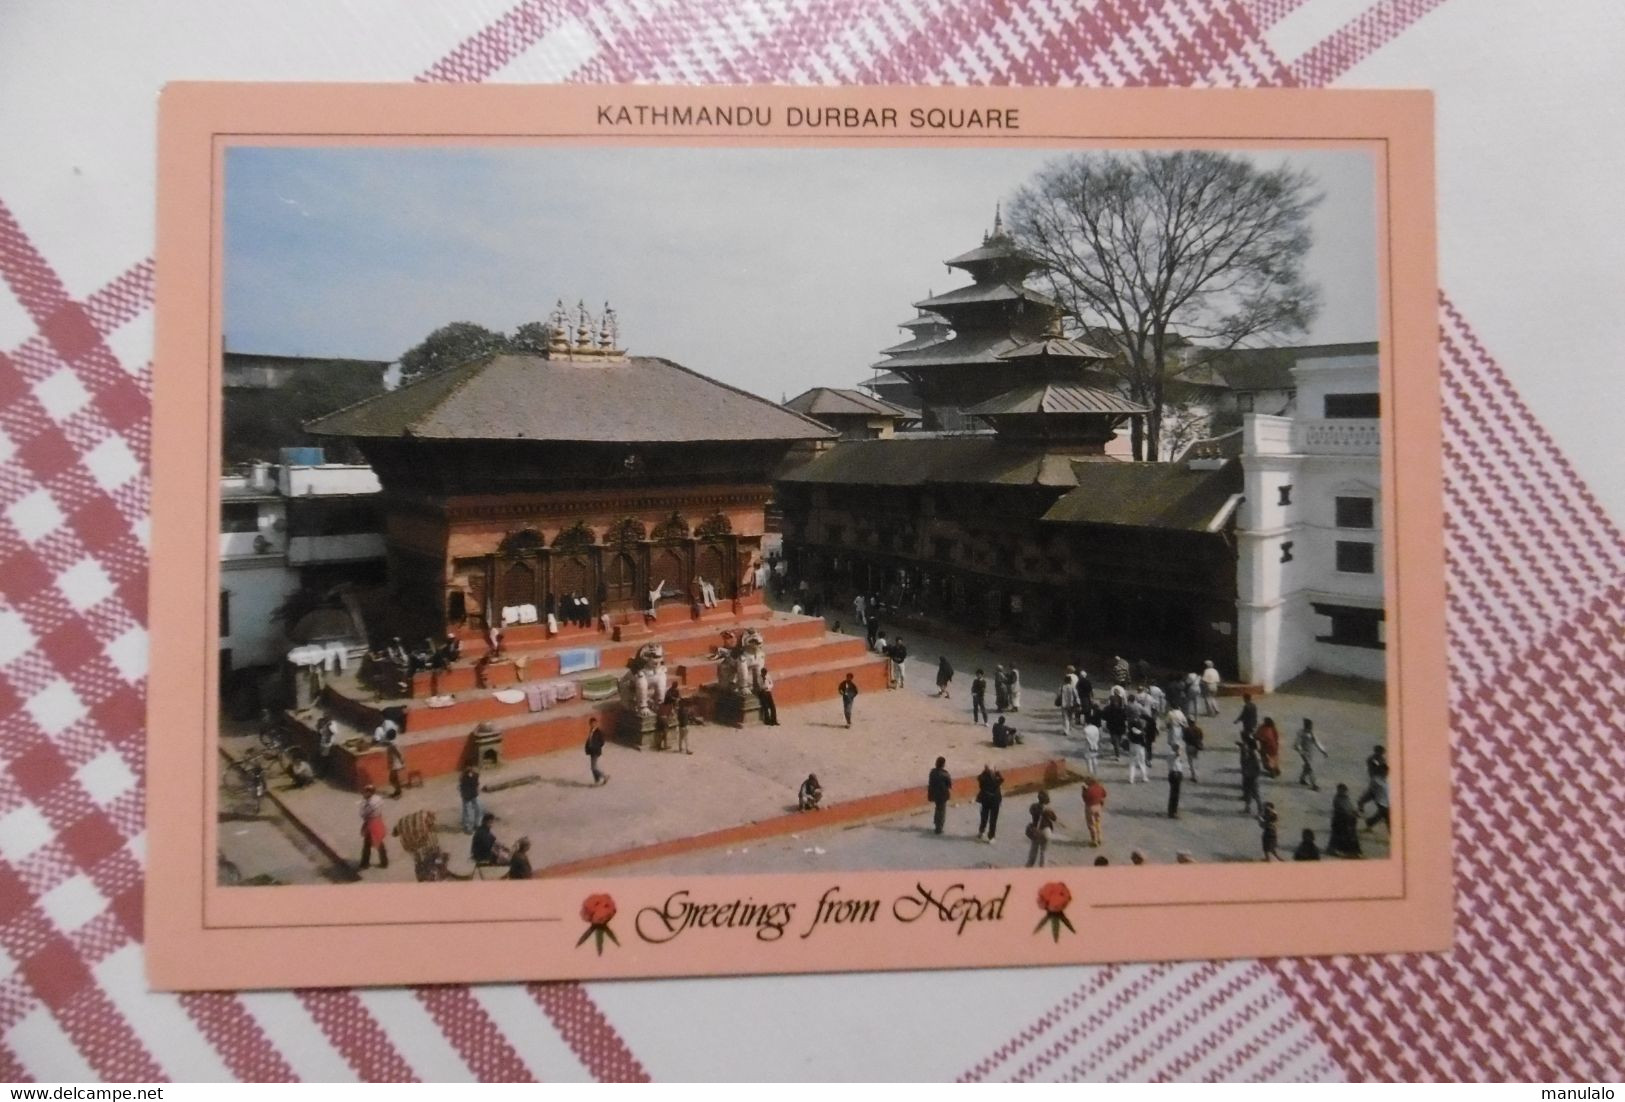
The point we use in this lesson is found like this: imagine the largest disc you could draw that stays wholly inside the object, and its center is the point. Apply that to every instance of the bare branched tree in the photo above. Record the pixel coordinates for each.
(1172, 258)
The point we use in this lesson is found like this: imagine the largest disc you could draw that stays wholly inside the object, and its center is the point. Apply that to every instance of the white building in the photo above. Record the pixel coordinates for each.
(283, 528)
(1309, 534)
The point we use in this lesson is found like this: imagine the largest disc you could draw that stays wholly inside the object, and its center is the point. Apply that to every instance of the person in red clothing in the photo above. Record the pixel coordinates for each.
(1269, 746)
(1094, 807)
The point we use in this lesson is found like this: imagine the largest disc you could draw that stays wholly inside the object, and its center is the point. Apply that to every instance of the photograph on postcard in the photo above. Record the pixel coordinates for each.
(627, 510)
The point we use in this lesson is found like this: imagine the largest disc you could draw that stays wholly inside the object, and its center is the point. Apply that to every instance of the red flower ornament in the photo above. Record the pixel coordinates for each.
(1053, 899)
(596, 912)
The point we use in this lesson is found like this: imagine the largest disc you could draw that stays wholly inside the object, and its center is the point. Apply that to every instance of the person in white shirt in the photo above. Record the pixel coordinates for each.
(1091, 747)
(1210, 690)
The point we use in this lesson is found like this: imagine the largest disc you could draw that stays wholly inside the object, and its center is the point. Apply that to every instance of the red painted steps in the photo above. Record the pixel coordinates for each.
(541, 662)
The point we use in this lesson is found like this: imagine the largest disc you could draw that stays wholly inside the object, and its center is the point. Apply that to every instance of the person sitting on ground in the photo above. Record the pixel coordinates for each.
(485, 849)
(1136, 857)
(300, 772)
(1183, 857)
(1004, 735)
(519, 863)
(1307, 850)
(810, 793)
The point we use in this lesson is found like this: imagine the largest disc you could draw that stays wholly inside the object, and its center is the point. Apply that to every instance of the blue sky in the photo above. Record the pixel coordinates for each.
(772, 269)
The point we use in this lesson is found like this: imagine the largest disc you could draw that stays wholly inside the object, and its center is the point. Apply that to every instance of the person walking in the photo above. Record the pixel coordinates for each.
(1345, 836)
(978, 698)
(1377, 794)
(1043, 823)
(1138, 742)
(1091, 747)
(1270, 820)
(1307, 745)
(1210, 690)
(945, 674)
(468, 787)
(1094, 809)
(938, 787)
(595, 749)
(685, 716)
(1251, 768)
(1067, 700)
(764, 694)
(1001, 689)
(397, 763)
(989, 797)
(872, 630)
(1376, 774)
(1115, 716)
(1176, 779)
(1269, 746)
(1194, 741)
(898, 655)
(1249, 715)
(1120, 670)
(373, 830)
(1015, 689)
(848, 692)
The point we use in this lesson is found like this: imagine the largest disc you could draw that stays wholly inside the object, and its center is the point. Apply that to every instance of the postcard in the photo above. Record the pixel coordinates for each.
(641, 531)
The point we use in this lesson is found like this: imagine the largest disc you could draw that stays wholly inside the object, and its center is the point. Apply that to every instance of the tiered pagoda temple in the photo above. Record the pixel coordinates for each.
(975, 343)
(1030, 528)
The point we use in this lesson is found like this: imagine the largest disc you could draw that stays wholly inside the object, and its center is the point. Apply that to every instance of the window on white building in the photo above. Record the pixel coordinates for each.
(1356, 512)
(1356, 557)
(240, 517)
(225, 613)
(1352, 627)
(1286, 494)
(1286, 551)
(1353, 406)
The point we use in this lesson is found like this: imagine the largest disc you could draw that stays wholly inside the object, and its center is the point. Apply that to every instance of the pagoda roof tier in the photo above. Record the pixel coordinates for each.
(826, 400)
(976, 459)
(924, 320)
(1056, 348)
(976, 347)
(639, 399)
(996, 252)
(914, 345)
(1055, 397)
(1003, 291)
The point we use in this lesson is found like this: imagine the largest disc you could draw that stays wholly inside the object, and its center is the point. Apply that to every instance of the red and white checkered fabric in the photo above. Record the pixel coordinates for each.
(1535, 987)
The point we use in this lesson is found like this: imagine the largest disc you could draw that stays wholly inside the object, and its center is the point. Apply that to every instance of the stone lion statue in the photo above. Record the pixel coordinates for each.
(645, 681)
(741, 666)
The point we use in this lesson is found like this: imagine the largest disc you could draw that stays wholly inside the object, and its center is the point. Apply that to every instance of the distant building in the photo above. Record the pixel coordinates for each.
(259, 371)
(1310, 594)
(853, 414)
(304, 524)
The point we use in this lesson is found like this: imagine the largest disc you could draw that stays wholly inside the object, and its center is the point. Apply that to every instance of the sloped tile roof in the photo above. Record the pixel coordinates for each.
(823, 400)
(641, 399)
(1147, 495)
(971, 459)
(1051, 397)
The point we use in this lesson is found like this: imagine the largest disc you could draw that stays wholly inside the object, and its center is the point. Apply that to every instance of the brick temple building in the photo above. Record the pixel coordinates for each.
(521, 480)
(514, 485)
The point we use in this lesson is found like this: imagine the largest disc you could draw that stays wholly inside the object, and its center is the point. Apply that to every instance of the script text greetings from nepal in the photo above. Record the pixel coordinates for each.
(681, 912)
(746, 116)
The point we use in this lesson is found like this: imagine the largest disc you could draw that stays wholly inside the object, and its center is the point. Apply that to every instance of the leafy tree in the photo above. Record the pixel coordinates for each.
(450, 346)
(531, 338)
(1172, 258)
(259, 422)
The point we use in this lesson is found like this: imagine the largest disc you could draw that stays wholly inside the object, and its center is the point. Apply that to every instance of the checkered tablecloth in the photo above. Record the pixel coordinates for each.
(1530, 258)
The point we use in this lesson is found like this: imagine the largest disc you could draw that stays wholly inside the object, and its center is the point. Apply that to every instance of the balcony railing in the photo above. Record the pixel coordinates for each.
(1338, 437)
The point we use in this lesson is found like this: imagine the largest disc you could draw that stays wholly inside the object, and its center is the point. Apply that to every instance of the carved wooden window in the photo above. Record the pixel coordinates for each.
(518, 584)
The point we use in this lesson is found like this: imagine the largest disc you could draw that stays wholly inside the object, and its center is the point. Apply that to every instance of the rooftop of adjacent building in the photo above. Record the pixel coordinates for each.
(825, 401)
